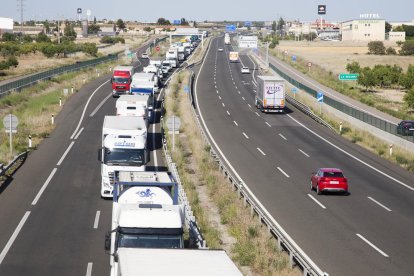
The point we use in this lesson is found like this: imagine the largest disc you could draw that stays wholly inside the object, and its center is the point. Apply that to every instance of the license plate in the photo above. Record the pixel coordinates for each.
(334, 182)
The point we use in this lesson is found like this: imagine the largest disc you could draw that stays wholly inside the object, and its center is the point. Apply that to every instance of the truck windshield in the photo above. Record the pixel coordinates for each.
(133, 157)
(149, 241)
(121, 80)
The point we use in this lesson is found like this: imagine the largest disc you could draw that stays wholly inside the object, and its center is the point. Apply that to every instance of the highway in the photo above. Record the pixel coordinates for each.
(53, 220)
(365, 233)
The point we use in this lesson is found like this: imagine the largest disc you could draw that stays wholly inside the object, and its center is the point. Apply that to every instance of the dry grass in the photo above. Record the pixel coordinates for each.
(241, 235)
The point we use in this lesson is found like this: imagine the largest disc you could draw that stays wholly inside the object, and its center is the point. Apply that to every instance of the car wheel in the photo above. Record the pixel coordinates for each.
(311, 185)
(319, 192)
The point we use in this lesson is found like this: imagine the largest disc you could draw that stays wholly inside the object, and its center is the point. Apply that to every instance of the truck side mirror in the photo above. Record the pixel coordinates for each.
(108, 241)
(112, 80)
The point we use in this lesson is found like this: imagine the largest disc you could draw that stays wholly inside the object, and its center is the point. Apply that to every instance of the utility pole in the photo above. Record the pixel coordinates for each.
(20, 8)
(58, 34)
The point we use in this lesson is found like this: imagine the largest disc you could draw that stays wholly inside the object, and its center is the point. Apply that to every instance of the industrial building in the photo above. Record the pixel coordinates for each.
(363, 30)
(6, 25)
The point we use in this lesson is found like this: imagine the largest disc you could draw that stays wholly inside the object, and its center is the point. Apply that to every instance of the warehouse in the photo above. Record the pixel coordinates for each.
(6, 25)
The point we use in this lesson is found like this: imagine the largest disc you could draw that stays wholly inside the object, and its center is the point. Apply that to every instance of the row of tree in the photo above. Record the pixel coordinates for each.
(378, 48)
(382, 75)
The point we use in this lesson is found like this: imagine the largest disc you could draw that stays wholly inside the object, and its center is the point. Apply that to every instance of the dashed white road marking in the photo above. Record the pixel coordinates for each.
(228, 112)
(219, 97)
(36, 199)
(268, 124)
(314, 199)
(261, 151)
(283, 137)
(380, 204)
(282, 171)
(304, 153)
(245, 135)
(243, 98)
(89, 269)
(65, 153)
(223, 104)
(257, 114)
(372, 245)
(249, 105)
(96, 222)
(235, 123)
(79, 133)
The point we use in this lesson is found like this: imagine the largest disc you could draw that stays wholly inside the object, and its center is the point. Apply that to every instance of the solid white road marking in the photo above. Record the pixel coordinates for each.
(268, 124)
(44, 186)
(282, 171)
(96, 222)
(236, 123)
(228, 112)
(13, 236)
(84, 109)
(352, 156)
(380, 204)
(284, 138)
(261, 151)
(65, 153)
(304, 153)
(100, 105)
(79, 133)
(372, 245)
(314, 199)
(89, 269)
(245, 135)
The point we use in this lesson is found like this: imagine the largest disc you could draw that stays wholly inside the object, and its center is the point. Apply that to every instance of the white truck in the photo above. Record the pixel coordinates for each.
(174, 262)
(124, 147)
(181, 53)
(134, 105)
(227, 39)
(145, 77)
(145, 214)
(270, 96)
(172, 56)
(234, 56)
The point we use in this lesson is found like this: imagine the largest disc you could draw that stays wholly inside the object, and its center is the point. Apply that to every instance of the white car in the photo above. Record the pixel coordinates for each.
(220, 49)
(245, 70)
(144, 55)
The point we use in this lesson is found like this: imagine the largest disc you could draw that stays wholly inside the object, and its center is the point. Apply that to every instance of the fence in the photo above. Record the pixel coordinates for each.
(356, 113)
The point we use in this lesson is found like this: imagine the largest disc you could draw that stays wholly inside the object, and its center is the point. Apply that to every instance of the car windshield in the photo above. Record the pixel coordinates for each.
(149, 241)
(333, 174)
(121, 80)
(134, 157)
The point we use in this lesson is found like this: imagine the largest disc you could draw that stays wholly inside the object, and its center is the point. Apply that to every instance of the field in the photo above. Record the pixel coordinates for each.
(334, 56)
(32, 63)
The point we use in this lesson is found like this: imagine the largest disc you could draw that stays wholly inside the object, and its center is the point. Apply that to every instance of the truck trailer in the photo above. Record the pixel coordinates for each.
(270, 96)
(145, 214)
(134, 105)
(124, 147)
(234, 56)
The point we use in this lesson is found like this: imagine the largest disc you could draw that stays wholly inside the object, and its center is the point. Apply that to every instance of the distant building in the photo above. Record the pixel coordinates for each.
(363, 30)
(396, 36)
(29, 30)
(397, 24)
(6, 25)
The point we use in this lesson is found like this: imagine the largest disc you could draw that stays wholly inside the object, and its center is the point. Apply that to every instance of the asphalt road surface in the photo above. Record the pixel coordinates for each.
(368, 232)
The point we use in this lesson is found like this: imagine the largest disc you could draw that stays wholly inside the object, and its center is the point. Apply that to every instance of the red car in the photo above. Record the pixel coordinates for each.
(329, 180)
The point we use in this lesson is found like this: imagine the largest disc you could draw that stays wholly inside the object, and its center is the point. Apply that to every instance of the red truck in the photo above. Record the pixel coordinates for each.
(121, 80)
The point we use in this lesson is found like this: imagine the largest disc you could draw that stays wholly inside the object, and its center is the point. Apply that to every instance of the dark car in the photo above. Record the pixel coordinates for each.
(405, 128)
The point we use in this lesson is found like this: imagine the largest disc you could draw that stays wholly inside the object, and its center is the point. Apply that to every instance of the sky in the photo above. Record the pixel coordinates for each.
(211, 10)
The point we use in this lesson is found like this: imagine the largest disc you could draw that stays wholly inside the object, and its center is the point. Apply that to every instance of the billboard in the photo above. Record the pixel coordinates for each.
(321, 9)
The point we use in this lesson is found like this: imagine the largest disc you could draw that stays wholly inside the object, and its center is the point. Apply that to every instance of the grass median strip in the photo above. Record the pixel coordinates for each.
(224, 220)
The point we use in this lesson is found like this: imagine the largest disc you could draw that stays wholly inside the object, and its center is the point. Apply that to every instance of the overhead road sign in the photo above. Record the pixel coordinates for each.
(348, 77)
(177, 22)
(248, 41)
(230, 28)
(321, 9)
(248, 24)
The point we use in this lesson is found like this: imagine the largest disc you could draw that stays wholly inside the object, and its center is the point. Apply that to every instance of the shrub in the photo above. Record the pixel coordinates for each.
(376, 48)
(409, 98)
(391, 51)
(407, 48)
(353, 68)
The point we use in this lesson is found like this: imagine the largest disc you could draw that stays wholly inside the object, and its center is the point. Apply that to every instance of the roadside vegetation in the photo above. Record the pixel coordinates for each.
(233, 228)
(35, 105)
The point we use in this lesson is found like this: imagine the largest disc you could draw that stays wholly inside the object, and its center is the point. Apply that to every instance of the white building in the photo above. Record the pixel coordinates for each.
(363, 30)
(6, 25)
(396, 36)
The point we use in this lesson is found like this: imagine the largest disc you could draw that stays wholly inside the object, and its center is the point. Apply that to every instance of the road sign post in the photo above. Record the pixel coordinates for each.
(10, 123)
(348, 77)
(173, 125)
(319, 98)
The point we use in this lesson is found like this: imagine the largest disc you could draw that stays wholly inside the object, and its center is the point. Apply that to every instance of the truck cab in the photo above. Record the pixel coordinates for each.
(121, 80)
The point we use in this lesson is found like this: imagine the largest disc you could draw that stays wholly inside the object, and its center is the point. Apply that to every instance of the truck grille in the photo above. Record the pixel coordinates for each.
(111, 176)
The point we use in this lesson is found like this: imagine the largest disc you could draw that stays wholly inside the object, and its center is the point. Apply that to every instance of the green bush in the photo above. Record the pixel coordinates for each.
(353, 68)
(409, 98)
(407, 48)
(391, 51)
(376, 48)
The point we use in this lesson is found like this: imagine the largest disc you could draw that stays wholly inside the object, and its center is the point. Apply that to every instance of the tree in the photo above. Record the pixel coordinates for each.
(27, 39)
(69, 32)
(407, 79)
(409, 98)
(6, 64)
(376, 48)
(409, 30)
(147, 29)
(47, 26)
(367, 78)
(280, 25)
(90, 49)
(274, 26)
(163, 21)
(9, 37)
(93, 29)
(42, 37)
(388, 27)
(398, 29)
(94, 20)
(184, 22)
(353, 67)
(120, 24)
(407, 48)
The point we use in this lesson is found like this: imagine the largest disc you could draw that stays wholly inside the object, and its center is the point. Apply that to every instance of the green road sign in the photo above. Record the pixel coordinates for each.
(348, 77)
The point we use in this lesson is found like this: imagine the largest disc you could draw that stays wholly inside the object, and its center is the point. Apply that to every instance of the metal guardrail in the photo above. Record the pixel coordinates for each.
(21, 83)
(308, 111)
(353, 112)
(20, 157)
(285, 242)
